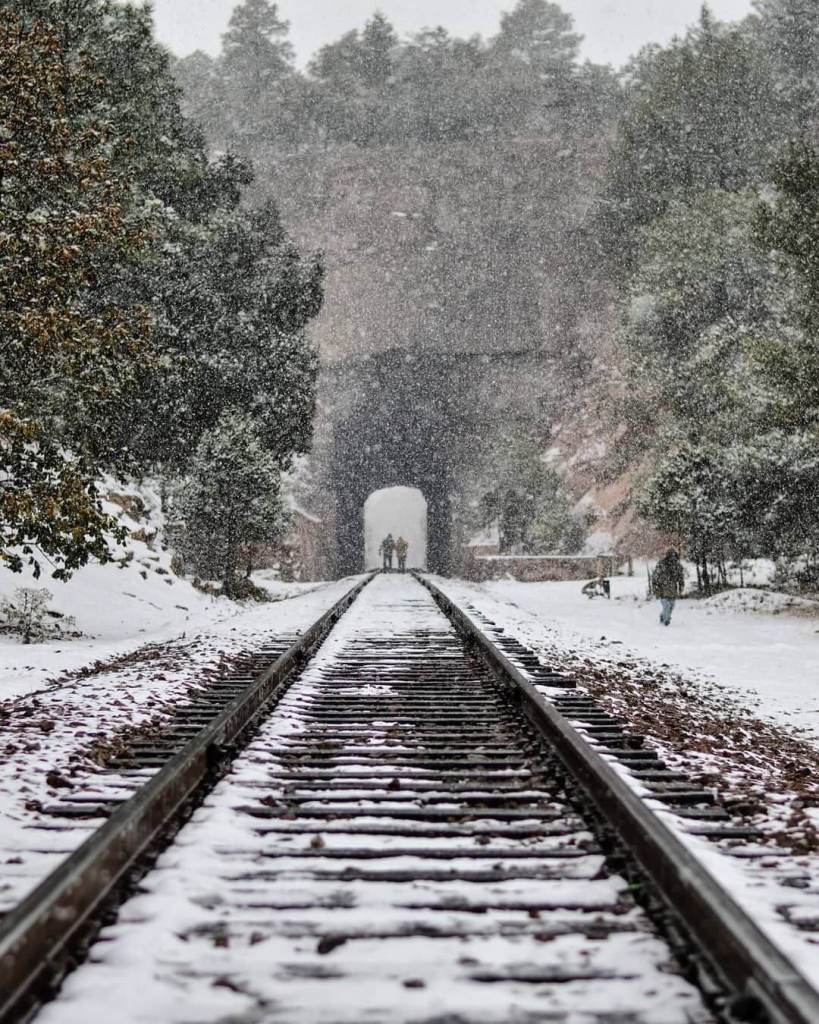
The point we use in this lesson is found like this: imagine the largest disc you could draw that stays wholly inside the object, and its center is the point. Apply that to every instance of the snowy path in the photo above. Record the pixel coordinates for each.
(357, 882)
(770, 661)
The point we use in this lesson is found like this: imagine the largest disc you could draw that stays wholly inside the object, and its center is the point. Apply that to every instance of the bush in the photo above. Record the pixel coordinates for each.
(29, 616)
(230, 500)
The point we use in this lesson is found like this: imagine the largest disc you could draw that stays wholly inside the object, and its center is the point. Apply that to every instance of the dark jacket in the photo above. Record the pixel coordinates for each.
(668, 579)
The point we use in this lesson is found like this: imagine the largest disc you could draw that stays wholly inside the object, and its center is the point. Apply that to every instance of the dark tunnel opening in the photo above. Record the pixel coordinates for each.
(403, 430)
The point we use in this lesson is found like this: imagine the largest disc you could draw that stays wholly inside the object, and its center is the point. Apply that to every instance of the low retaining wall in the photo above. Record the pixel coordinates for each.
(534, 568)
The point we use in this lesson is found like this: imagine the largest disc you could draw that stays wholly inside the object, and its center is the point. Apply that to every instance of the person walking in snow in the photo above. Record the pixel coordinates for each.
(401, 549)
(386, 549)
(667, 583)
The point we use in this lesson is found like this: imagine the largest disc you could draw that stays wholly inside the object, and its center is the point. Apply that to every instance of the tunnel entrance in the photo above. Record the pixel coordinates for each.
(401, 511)
(403, 429)
(416, 418)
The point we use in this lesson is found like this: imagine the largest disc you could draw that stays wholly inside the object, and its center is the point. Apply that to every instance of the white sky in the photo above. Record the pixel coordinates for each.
(614, 29)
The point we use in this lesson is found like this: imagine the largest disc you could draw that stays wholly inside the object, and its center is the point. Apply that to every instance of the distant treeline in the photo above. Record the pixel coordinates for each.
(370, 88)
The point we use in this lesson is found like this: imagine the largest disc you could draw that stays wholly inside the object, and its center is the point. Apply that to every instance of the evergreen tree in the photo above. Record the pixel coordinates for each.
(255, 48)
(378, 43)
(257, 69)
(789, 32)
(525, 499)
(229, 500)
(786, 352)
(689, 497)
(232, 303)
(700, 288)
(699, 118)
(539, 33)
(70, 354)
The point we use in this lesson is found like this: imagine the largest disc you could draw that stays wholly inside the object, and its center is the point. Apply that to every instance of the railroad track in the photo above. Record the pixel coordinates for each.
(423, 824)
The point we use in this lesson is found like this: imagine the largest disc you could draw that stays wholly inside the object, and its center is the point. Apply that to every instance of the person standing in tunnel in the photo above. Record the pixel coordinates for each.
(401, 549)
(387, 548)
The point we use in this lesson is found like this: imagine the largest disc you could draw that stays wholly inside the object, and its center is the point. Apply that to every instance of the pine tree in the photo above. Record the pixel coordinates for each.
(378, 43)
(70, 354)
(699, 117)
(232, 302)
(787, 351)
(789, 31)
(255, 48)
(256, 66)
(540, 34)
(230, 500)
(526, 499)
(689, 497)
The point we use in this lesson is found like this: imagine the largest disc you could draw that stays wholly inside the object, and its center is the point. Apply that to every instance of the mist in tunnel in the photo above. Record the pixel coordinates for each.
(401, 511)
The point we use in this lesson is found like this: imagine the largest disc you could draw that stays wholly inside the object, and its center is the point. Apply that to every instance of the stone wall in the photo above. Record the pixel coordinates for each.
(536, 568)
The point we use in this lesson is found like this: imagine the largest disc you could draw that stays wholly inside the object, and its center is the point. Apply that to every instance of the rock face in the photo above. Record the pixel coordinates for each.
(448, 247)
(457, 296)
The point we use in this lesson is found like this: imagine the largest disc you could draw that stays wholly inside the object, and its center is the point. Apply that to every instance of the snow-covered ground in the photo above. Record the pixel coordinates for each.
(53, 739)
(234, 923)
(765, 773)
(762, 646)
(117, 607)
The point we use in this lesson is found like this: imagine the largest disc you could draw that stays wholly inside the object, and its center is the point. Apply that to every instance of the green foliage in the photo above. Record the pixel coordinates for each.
(721, 287)
(789, 32)
(369, 89)
(539, 34)
(701, 285)
(690, 498)
(258, 88)
(699, 118)
(232, 303)
(71, 353)
(526, 500)
(138, 301)
(49, 503)
(229, 500)
(790, 224)
(786, 351)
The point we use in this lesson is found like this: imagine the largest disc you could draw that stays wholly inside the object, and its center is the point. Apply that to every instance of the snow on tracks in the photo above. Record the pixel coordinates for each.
(55, 741)
(391, 846)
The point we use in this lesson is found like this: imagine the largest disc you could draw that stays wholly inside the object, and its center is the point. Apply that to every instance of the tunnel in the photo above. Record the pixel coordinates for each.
(404, 428)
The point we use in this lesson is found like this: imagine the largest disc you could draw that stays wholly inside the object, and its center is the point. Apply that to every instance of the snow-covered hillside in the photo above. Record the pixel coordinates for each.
(135, 600)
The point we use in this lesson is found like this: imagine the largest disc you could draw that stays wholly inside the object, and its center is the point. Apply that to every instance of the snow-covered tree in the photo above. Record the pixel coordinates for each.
(689, 497)
(70, 353)
(256, 70)
(699, 117)
(540, 34)
(378, 43)
(28, 616)
(700, 287)
(525, 498)
(232, 304)
(229, 500)
(789, 31)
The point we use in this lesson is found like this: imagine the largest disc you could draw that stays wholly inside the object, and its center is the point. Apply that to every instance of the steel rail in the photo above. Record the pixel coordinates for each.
(38, 933)
(755, 973)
